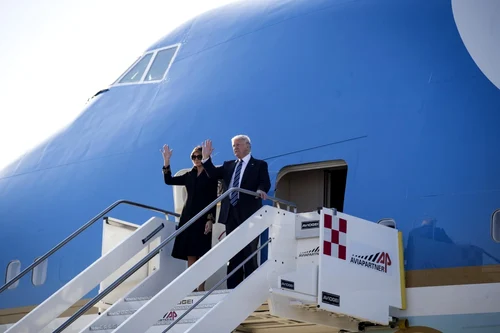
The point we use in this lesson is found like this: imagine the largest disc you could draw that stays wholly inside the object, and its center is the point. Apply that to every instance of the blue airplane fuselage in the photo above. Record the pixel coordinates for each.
(386, 86)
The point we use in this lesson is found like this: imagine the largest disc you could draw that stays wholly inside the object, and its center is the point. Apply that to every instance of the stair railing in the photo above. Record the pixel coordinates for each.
(79, 231)
(157, 250)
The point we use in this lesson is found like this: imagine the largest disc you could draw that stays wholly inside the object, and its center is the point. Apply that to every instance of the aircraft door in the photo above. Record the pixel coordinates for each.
(313, 185)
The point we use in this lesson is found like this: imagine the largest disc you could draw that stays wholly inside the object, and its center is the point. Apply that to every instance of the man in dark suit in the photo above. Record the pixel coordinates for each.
(248, 173)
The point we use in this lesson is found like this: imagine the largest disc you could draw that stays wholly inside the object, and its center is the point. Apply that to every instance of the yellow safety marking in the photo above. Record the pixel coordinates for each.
(402, 270)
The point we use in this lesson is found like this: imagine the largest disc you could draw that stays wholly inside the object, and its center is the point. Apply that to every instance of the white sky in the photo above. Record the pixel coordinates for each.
(54, 57)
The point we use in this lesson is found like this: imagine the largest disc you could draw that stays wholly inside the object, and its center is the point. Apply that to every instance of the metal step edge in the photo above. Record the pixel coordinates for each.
(197, 293)
(161, 322)
(215, 292)
(177, 308)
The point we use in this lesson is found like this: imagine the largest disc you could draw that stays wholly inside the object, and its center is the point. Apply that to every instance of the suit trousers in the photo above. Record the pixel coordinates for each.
(233, 221)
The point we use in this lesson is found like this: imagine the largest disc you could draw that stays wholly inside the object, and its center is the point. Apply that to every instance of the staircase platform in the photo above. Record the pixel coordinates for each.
(261, 321)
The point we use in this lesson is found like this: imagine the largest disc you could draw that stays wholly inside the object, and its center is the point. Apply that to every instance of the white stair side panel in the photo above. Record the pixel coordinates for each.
(254, 290)
(200, 271)
(238, 305)
(84, 282)
(389, 237)
(363, 291)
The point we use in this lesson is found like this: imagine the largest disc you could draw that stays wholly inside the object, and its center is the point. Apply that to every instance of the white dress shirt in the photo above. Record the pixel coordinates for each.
(245, 163)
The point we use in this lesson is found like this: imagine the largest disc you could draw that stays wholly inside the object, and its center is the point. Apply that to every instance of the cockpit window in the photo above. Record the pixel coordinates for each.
(151, 67)
(136, 72)
(160, 64)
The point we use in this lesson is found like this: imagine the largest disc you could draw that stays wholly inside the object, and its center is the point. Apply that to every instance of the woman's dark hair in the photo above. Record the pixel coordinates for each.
(197, 149)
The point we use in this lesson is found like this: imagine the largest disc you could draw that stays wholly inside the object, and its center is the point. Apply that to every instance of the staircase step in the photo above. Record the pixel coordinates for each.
(182, 308)
(177, 308)
(114, 317)
(191, 295)
(131, 303)
(159, 326)
(114, 321)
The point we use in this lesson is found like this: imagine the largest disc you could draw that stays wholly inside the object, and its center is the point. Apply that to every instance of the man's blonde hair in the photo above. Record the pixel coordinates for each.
(242, 137)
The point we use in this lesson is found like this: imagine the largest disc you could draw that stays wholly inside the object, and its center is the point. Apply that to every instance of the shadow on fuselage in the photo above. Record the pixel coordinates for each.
(429, 246)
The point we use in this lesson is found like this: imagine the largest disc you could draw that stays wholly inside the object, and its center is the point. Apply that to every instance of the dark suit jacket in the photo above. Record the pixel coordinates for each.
(255, 177)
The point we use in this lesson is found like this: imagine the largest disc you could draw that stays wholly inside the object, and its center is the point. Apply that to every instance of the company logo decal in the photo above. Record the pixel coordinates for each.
(309, 225)
(287, 284)
(170, 315)
(379, 261)
(335, 237)
(186, 301)
(310, 253)
(331, 299)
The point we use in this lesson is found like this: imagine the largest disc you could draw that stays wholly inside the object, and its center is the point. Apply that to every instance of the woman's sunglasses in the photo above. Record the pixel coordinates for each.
(196, 157)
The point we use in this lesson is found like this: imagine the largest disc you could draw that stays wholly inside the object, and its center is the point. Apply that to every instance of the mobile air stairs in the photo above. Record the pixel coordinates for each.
(326, 272)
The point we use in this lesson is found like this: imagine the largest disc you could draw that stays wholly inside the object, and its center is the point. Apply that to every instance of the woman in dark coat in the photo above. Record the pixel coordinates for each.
(196, 240)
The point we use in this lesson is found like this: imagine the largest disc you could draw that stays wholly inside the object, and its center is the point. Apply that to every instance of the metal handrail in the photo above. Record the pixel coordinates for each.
(486, 253)
(217, 285)
(77, 232)
(156, 251)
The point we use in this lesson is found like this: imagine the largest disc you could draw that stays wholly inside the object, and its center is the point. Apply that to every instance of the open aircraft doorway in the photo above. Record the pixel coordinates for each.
(313, 185)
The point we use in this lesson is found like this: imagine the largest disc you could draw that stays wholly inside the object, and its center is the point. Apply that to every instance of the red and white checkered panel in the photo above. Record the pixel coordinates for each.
(335, 237)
